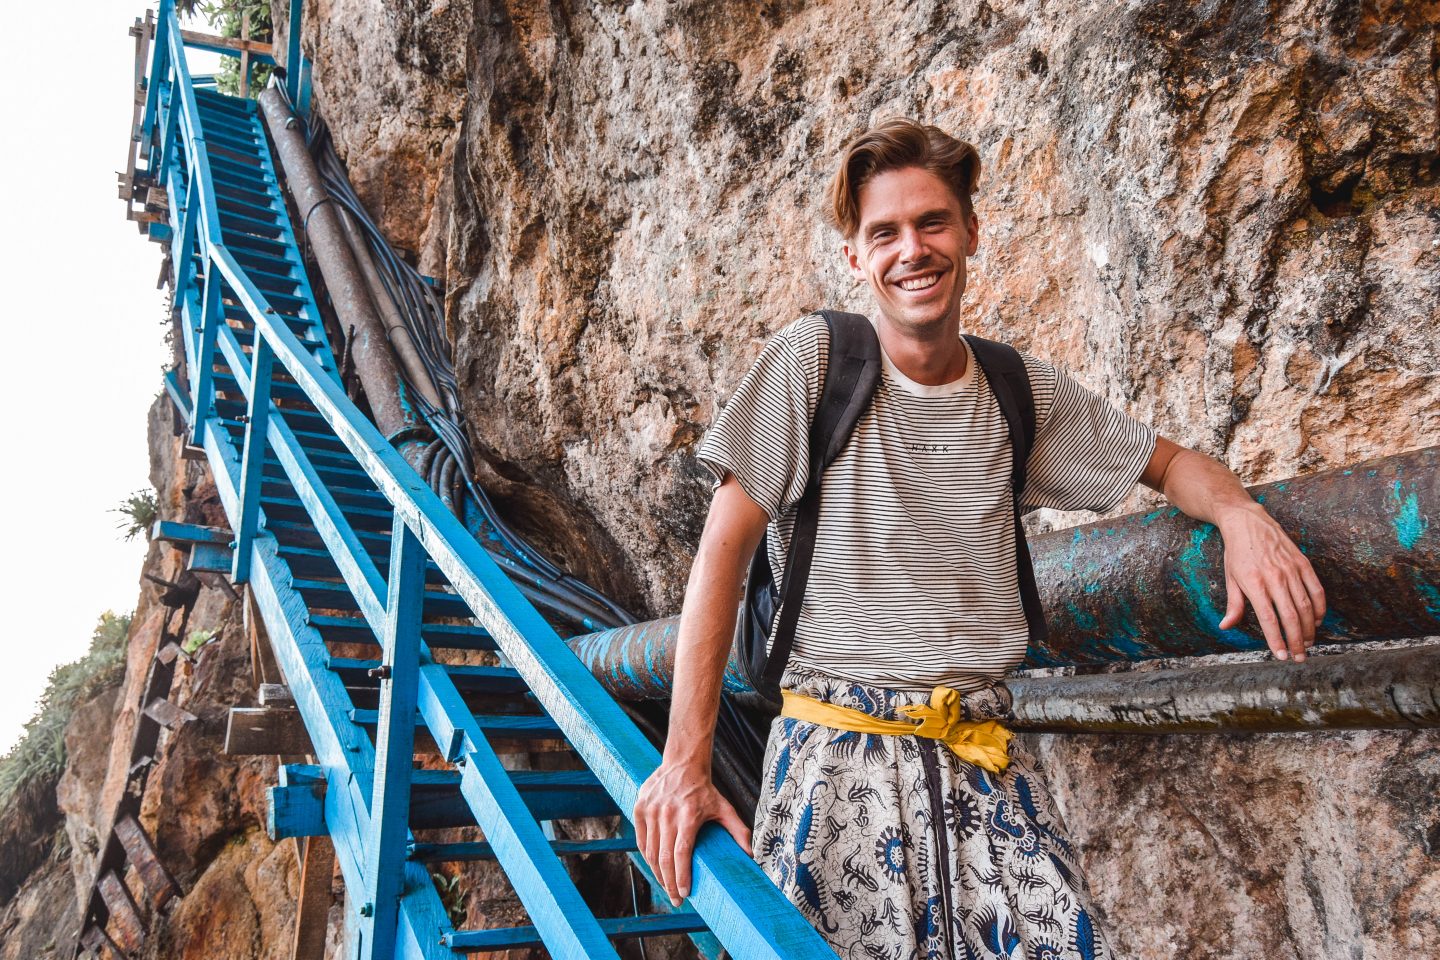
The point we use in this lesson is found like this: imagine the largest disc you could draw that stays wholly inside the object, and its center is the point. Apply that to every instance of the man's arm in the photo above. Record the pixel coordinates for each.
(1262, 563)
(679, 796)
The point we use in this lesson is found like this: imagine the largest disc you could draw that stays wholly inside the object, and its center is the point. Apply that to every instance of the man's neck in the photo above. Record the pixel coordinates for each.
(932, 358)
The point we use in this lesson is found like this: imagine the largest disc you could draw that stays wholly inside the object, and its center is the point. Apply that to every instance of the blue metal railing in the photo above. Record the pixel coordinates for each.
(362, 792)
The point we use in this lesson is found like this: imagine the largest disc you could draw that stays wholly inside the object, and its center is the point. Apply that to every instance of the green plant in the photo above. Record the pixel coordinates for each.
(140, 510)
(197, 639)
(452, 896)
(226, 18)
(41, 749)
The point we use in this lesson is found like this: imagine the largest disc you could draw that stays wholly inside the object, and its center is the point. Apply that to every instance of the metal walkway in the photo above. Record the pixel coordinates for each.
(367, 582)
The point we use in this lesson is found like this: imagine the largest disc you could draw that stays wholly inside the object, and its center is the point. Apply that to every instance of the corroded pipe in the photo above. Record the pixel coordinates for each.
(1384, 689)
(369, 346)
(1151, 585)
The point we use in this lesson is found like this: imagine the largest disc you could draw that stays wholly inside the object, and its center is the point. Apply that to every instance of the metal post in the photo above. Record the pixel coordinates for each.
(368, 347)
(203, 376)
(399, 673)
(262, 364)
(294, 59)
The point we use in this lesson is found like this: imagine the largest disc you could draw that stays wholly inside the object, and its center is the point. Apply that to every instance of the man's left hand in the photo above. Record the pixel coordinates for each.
(1264, 566)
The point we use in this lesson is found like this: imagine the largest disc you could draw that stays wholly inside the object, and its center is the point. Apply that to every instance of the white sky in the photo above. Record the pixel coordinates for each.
(84, 350)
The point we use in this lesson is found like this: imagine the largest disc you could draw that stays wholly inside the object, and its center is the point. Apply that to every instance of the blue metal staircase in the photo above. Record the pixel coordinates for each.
(367, 584)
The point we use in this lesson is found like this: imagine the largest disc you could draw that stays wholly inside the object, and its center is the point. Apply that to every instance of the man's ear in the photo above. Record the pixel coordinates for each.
(973, 228)
(852, 260)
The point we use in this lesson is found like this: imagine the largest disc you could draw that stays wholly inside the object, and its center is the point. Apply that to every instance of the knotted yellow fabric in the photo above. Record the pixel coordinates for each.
(984, 743)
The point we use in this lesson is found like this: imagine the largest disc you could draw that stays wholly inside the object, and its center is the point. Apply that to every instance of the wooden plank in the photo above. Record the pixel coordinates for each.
(98, 942)
(264, 671)
(141, 854)
(256, 731)
(168, 715)
(275, 695)
(295, 811)
(209, 41)
(124, 914)
(317, 894)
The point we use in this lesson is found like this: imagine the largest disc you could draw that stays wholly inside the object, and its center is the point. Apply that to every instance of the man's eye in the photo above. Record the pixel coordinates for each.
(880, 236)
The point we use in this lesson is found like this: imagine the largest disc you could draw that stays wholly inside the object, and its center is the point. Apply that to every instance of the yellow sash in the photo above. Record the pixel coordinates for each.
(981, 742)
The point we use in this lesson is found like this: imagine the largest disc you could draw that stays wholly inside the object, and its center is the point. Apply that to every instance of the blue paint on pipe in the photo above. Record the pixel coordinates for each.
(1193, 574)
(1410, 525)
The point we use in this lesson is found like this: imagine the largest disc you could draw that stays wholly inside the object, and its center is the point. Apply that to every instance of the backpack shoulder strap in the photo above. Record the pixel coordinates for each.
(1010, 382)
(851, 373)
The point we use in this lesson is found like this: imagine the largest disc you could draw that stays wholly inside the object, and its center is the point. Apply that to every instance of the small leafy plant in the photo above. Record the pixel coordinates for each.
(139, 511)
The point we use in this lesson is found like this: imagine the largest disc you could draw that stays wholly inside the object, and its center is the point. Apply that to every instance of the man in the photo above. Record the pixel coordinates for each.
(896, 844)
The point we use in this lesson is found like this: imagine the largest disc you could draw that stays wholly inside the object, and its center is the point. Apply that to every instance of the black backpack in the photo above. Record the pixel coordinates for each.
(852, 373)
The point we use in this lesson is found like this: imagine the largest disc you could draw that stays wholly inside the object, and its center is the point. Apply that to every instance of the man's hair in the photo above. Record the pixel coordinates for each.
(894, 145)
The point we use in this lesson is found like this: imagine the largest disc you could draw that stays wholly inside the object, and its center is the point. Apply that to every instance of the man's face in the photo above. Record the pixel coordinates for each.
(911, 248)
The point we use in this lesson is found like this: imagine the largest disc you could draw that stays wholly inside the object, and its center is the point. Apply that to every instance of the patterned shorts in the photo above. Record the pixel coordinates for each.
(895, 848)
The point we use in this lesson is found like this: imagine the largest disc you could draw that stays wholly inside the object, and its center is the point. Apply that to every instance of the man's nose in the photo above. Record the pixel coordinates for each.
(912, 245)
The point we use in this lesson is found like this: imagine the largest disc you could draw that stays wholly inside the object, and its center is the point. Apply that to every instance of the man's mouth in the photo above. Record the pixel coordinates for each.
(921, 281)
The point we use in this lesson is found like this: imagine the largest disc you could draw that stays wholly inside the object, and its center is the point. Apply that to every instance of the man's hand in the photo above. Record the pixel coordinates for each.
(674, 803)
(1263, 565)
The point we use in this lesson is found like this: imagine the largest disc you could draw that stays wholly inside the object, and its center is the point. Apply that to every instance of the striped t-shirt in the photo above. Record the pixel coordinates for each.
(913, 582)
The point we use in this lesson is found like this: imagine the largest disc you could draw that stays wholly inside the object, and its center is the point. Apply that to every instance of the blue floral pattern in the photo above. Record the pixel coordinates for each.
(848, 829)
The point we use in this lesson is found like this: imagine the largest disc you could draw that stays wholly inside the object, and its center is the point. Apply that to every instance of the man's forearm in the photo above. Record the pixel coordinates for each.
(733, 529)
(707, 627)
(1204, 488)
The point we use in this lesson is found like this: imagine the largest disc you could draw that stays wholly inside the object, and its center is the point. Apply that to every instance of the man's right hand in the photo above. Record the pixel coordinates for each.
(673, 804)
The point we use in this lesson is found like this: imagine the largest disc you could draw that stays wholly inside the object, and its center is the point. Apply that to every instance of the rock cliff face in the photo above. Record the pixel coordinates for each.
(1222, 217)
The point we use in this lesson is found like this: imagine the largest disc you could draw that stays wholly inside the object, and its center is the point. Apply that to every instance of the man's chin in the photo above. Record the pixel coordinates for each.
(918, 318)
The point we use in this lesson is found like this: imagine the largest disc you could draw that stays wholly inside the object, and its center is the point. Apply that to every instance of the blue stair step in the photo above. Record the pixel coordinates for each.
(440, 636)
(467, 678)
(466, 852)
(436, 803)
(509, 726)
(361, 518)
(618, 928)
(313, 562)
(300, 326)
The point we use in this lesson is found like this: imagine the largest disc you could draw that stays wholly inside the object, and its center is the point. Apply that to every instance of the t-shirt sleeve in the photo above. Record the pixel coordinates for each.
(1087, 455)
(762, 434)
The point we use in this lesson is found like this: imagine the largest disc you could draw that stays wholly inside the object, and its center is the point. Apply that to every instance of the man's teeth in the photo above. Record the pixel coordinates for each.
(920, 283)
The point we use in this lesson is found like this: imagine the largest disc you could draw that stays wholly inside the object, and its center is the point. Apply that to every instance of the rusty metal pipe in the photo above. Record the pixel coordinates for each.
(1394, 689)
(1151, 585)
(369, 347)
(401, 341)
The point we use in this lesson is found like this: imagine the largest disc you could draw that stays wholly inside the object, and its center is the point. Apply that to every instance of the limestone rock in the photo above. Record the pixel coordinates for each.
(1221, 218)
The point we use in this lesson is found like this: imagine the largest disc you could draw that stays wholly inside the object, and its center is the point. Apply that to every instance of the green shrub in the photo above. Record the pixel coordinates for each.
(41, 750)
(225, 17)
(139, 510)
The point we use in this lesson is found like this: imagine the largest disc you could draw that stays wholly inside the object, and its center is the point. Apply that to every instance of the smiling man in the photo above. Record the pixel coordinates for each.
(896, 812)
